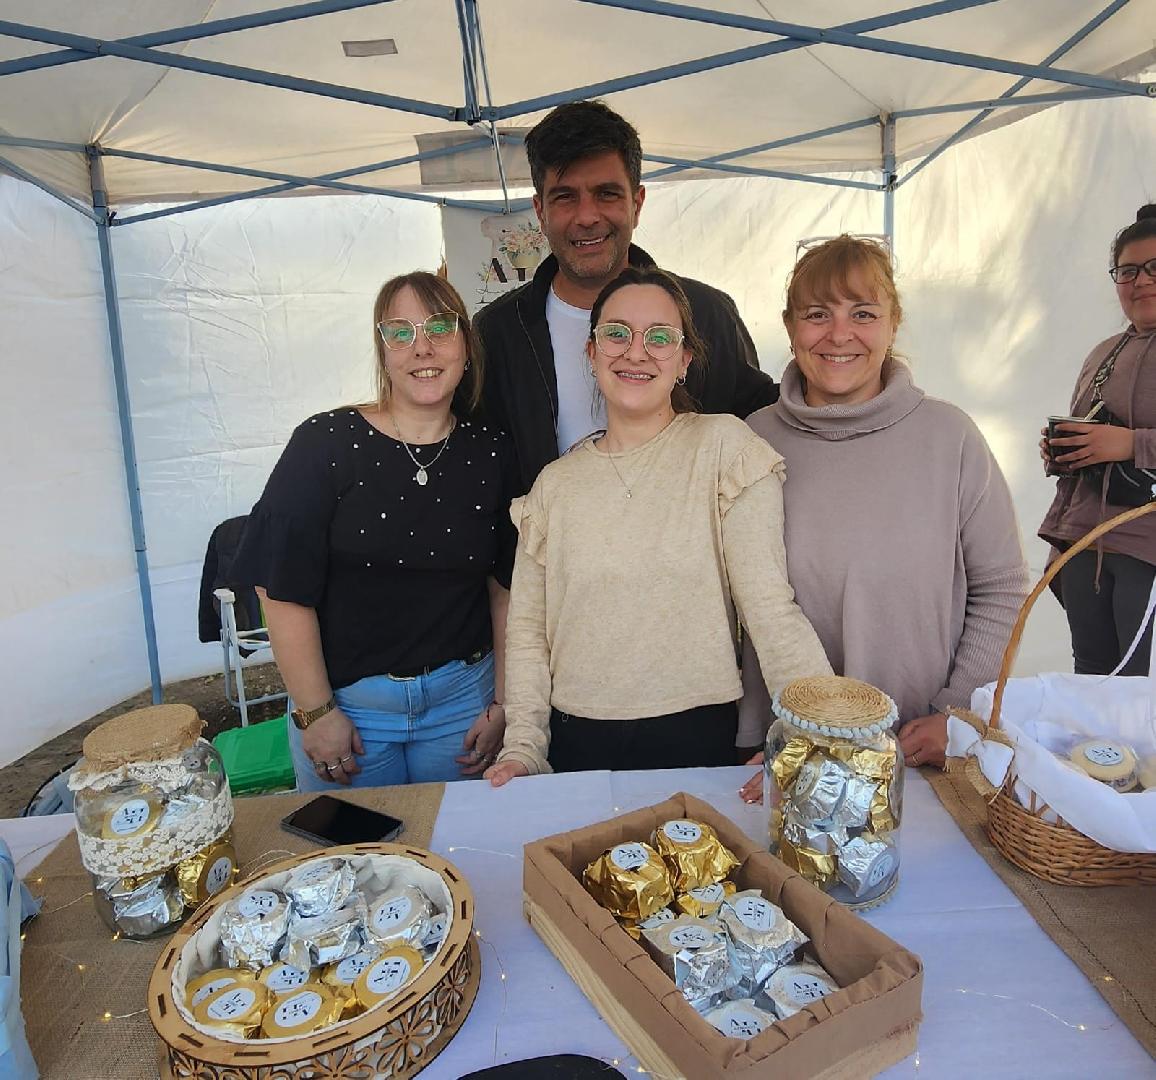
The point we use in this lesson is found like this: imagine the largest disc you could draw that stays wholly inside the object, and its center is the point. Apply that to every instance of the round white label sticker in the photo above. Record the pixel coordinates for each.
(392, 913)
(232, 1003)
(258, 903)
(436, 931)
(286, 977)
(683, 832)
(388, 974)
(657, 919)
(314, 873)
(352, 966)
(803, 989)
(628, 856)
(690, 937)
(744, 1026)
(211, 988)
(219, 875)
(299, 1009)
(808, 774)
(755, 912)
(881, 868)
(709, 894)
(129, 817)
(1103, 754)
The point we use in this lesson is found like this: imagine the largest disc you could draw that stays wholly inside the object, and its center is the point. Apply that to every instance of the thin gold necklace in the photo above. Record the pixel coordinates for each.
(421, 477)
(614, 466)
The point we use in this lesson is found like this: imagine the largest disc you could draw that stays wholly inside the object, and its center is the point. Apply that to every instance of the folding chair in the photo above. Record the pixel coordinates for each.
(235, 644)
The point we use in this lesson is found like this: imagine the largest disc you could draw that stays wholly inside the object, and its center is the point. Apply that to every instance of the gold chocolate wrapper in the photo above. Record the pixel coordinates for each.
(874, 764)
(882, 820)
(312, 1007)
(236, 1009)
(393, 969)
(132, 818)
(629, 880)
(196, 990)
(205, 874)
(817, 868)
(789, 760)
(705, 901)
(693, 854)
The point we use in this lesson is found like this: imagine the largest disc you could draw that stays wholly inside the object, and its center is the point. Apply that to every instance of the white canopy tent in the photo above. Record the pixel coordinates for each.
(227, 312)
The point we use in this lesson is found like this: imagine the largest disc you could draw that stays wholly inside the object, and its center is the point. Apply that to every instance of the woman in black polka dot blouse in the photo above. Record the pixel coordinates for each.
(382, 550)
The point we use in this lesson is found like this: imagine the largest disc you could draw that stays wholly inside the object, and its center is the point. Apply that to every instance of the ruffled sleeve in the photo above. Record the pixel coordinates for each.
(755, 460)
(529, 517)
(285, 545)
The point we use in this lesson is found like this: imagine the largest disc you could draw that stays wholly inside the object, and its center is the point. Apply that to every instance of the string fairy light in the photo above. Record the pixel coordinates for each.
(1032, 1005)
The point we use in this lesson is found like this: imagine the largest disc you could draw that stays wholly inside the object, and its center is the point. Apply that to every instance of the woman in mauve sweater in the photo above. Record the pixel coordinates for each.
(638, 552)
(902, 543)
(1105, 592)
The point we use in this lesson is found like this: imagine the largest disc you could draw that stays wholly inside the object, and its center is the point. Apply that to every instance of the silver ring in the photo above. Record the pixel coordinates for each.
(476, 753)
(331, 766)
(343, 760)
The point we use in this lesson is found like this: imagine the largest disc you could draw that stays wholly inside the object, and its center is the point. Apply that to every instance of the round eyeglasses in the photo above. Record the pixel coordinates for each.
(660, 342)
(440, 329)
(1127, 272)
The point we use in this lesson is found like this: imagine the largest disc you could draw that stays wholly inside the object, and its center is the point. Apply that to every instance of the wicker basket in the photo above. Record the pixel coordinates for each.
(1054, 852)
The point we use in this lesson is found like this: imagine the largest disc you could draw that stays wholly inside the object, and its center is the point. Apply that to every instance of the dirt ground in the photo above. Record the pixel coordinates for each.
(20, 780)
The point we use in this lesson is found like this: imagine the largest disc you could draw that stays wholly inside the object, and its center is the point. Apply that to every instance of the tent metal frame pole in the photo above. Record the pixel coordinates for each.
(42, 144)
(1100, 18)
(178, 34)
(124, 412)
(289, 178)
(474, 33)
(278, 189)
(813, 35)
(888, 145)
(1018, 102)
(469, 63)
(775, 144)
(231, 71)
(725, 59)
(745, 170)
(48, 189)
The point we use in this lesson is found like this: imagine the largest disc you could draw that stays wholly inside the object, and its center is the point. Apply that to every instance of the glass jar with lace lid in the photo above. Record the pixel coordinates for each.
(833, 787)
(153, 818)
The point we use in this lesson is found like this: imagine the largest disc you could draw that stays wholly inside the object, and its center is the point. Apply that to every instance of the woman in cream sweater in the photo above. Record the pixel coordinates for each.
(639, 553)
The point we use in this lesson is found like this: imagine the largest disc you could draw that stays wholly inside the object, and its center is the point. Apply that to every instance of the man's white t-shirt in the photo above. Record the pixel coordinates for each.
(578, 411)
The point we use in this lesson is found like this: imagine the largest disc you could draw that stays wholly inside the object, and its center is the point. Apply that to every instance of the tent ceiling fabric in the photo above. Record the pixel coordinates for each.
(533, 48)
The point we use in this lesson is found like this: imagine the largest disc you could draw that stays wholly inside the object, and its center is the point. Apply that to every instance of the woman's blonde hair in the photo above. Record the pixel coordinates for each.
(824, 273)
(435, 294)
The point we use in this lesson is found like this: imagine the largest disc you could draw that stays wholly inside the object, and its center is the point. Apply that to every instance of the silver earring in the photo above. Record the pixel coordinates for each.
(467, 367)
(681, 380)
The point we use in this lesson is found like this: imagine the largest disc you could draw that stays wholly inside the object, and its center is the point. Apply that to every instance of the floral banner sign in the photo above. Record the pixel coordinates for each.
(488, 254)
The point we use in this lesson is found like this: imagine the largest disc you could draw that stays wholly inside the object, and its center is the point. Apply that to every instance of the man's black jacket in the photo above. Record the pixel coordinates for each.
(521, 384)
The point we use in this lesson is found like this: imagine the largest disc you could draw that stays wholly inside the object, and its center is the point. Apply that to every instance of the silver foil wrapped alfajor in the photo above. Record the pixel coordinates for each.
(867, 863)
(761, 936)
(694, 954)
(319, 887)
(252, 929)
(740, 1019)
(328, 938)
(795, 986)
(143, 906)
(401, 917)
(805, 834)
(819, 789)
(855, 809)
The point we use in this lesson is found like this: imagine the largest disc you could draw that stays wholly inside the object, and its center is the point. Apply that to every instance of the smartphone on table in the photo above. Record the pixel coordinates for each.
(333, 822)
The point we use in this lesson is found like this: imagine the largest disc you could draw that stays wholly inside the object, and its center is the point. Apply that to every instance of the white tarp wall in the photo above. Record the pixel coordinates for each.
(241, 320)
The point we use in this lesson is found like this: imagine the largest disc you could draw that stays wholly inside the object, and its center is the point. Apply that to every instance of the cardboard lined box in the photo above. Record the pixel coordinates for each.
(870, 1023)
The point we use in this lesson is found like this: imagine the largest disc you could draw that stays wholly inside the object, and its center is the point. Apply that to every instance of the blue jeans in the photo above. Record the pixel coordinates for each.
(412, 729)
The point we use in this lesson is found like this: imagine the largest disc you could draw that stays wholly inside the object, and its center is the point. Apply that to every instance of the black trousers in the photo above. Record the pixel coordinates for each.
(1104, 623)
(682, 740)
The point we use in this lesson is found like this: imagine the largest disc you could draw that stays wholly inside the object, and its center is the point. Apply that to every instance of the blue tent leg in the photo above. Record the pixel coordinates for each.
(127, 442)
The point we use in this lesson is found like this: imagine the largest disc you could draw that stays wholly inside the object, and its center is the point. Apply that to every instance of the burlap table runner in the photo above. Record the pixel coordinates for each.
(83, 993)
(1107, 932)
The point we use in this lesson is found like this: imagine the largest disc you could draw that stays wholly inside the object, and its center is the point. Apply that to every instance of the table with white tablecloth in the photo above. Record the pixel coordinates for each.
(999, 998)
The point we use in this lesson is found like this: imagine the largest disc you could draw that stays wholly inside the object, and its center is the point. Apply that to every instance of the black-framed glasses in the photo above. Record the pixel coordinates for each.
(440, 329)
(660, 342)
(1127, 272)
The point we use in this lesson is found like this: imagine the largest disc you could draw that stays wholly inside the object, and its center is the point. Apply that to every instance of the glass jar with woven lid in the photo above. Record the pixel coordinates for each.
(833, 786)
(153, 818)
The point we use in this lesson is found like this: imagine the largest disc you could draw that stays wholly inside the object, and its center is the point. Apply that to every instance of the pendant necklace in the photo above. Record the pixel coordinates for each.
(421, 477)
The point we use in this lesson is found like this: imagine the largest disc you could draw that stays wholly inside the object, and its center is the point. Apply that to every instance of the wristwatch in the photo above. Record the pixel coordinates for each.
(302, 718)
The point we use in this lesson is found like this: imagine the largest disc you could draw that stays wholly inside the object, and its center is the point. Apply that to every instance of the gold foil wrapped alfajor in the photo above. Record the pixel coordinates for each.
(705, 901)
(132, 818)
(629, 880)
(205, 874)
(196, 990)
(693, 854)
(817, 868)
(236, 1009)
(393, 969)
(789, 760)
(303, 1011)
(280, 979)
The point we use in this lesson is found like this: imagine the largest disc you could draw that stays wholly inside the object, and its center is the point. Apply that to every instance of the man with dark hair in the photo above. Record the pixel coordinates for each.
(586, 166)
